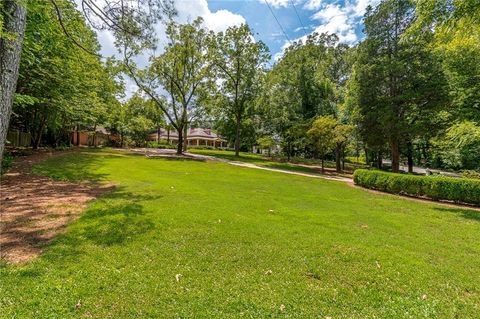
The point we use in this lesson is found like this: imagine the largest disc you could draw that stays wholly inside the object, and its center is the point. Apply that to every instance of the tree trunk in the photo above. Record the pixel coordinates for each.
(180, 141)
(395, 149)
(237, 135)
(338, 165)
(185, 141)
(158, 134)
(13, 15)
(95, 135)
(379, 160)
(168, 135)
(289, 151)
(323, 168)
(410, 156)
(38, 137)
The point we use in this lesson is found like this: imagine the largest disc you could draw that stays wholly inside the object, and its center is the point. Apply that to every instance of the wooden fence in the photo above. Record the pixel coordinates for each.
(17, 138)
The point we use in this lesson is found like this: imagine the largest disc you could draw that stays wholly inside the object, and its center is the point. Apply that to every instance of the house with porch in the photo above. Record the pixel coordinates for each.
(195, 137)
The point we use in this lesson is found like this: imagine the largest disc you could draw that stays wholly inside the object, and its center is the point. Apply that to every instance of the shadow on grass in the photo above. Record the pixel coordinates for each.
(73, 167)
(290, 167)
(118, 224)
(247, 158)
(115, 219)
(177, 158)
(465, 213)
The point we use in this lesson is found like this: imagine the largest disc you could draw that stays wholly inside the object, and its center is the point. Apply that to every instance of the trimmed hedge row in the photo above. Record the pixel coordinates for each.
(460, 190)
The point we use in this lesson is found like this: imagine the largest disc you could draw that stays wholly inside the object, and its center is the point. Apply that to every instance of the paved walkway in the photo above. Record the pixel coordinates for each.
(422, 170)
(172, 153)
(329, 177)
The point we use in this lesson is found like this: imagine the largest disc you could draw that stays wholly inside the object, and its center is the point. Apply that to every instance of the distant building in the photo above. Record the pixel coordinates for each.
(89, 137)
(195, 137)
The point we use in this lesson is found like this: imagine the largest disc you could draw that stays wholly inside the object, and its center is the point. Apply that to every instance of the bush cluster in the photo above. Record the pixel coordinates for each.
(460, 190)
(6, 163)
(161, 144)
(470, 174)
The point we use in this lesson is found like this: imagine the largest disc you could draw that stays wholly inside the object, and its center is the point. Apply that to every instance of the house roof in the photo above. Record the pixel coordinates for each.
(203, 133)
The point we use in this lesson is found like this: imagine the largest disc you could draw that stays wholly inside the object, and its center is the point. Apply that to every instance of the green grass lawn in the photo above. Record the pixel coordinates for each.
(245, 242)
(256, 159)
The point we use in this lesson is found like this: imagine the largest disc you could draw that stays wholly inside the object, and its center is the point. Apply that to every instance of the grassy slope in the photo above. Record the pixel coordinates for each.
(333, 250)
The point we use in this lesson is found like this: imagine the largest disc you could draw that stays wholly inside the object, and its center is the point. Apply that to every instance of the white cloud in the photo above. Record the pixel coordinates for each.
(222, 19)
(276, 3)
(313, 4)
(342, 20)
(187, 12)
(216, 21)
(334, 18)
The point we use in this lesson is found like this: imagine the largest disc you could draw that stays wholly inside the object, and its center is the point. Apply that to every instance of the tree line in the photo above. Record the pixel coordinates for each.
(409, 90)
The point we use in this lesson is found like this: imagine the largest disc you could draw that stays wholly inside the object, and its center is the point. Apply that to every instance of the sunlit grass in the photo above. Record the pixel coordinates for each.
(242, 243)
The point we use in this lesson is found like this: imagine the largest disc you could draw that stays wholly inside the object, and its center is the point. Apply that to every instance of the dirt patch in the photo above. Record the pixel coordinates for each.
(34, 209)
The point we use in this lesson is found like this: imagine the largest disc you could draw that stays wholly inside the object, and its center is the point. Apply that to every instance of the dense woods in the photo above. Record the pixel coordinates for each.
(408, 92)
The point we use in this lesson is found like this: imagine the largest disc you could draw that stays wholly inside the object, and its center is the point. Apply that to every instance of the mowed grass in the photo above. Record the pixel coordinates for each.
(243, 242)
(275, 162)
(256, 159)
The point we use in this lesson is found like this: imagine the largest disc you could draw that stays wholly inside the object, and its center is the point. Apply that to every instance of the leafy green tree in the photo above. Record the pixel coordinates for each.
(295, 139)
(342, 134)
(66, 87)
(238, 62)
(399, 84)
(322, 135)
(266, 143)
(180, 71)
(308, 81)
(459, 148)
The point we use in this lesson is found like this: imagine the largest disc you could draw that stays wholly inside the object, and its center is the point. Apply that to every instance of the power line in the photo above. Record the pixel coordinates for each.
(278, 22)
(298, 16)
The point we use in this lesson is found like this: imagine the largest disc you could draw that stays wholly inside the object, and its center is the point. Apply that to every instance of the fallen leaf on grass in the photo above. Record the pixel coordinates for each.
(78, 305)
(268, 272)
(177, 277)
(282, 307)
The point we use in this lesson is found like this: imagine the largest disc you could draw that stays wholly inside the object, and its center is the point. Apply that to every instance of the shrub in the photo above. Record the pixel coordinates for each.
(356, 160)
(460, 190)
(161, 144)
(470, 174)
(7, 162)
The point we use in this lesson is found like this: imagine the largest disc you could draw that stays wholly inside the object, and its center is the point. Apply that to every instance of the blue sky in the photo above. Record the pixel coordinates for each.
(341, 17)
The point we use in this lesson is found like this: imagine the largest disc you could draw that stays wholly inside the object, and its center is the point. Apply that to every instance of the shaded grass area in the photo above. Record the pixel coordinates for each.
(243, 242)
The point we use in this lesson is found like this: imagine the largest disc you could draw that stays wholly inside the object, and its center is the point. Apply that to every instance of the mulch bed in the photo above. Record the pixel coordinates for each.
(34, 209)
